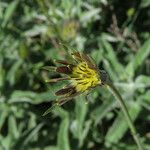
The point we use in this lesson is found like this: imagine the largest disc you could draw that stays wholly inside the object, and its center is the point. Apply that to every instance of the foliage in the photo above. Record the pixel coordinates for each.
(116, 35)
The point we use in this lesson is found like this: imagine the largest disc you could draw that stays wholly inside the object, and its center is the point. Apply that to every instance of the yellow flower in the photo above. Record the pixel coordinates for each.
(69, 29)
(82, 75)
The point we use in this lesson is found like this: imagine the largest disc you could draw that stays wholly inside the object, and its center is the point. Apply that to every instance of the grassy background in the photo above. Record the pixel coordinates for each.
(117, 36)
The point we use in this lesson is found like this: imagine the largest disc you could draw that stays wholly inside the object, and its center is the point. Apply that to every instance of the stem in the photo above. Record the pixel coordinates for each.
(126, 113)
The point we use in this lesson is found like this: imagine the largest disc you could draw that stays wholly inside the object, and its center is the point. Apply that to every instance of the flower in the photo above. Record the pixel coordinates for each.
(82, 74)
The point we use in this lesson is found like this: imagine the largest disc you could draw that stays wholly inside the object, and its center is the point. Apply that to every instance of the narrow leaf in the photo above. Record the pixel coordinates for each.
(120, 126)
(63, 140)
(139, 58)
(9, 12)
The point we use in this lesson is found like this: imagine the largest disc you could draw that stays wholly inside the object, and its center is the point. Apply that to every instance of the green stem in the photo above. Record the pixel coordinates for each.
(126, 113)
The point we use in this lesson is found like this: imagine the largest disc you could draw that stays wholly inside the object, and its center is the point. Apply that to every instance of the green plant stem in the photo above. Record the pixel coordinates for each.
(126, 113)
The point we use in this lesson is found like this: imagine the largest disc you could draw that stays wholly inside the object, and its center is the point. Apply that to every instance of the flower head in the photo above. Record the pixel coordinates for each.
(81, 73)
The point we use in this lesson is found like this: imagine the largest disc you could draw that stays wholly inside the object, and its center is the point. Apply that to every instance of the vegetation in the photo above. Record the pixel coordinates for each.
(114, 33)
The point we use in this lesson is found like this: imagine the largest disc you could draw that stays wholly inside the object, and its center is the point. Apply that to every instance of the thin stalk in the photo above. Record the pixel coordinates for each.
(118, 97)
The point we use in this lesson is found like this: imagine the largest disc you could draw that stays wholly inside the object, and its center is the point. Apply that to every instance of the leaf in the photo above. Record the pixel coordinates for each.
(13, 130)
(109, 69)
(63, 135)
(28, 137)
(3, 116)
(22, 97)
(86, 16)
(120, 125)
(144, 100)
(100, 112)
(36, 30)
(112, 58)
(97, 56)
(145, 3)
(2, 76)
(143, 52)
(109, 37)
(51, 148)
(143, 81)
(139, 58)
(9, 12)
(86, 129)
(32, 134)
(80, 111)
(5, 142)
(12, 73)
(146, 96)
(19, 96)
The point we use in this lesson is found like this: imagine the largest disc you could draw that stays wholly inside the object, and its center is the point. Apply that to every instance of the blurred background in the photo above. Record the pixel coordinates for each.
(116, 34)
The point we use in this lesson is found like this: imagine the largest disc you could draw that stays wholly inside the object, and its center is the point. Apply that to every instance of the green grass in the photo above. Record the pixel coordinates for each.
(116, 35)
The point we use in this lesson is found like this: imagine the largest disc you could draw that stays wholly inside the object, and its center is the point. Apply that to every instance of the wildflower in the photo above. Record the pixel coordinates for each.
(82, 74)
(68, 29)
